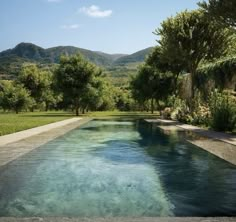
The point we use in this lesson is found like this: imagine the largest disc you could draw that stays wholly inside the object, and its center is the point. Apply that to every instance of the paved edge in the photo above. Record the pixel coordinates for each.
(124, 219)
(14, 150)
(14, 137)
(221, 145)
(224, 137)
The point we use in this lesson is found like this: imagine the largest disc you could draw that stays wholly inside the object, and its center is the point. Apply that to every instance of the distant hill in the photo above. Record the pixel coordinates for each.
(12, 59)
(133, 58)
(113, 57)
(35, 53)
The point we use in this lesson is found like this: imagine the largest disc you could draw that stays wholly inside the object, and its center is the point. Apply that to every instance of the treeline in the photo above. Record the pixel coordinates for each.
(191, 73)
(75, 84)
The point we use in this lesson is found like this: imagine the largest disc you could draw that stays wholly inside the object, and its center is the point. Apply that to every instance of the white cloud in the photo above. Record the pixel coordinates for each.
(73, 26)
(95, 11)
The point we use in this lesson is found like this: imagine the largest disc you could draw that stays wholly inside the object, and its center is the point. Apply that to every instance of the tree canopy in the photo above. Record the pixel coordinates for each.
(221, 10)
(190, 38)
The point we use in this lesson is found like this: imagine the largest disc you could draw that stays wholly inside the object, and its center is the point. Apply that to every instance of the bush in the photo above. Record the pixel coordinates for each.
(201, 115)
(166, 113)
(223, 111)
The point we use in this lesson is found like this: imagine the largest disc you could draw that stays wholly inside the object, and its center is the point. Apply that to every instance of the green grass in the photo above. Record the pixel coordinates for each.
(11, 122)
(118, 114)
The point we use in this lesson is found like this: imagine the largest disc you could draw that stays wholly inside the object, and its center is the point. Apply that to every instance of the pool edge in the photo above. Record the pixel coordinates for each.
(17, 148)
(120, 219)
(214, 142)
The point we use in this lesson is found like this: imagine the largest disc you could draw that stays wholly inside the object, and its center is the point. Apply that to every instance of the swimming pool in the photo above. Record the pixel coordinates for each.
(114, 168)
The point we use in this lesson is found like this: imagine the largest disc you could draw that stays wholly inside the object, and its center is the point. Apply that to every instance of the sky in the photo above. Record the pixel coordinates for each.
(111, 26)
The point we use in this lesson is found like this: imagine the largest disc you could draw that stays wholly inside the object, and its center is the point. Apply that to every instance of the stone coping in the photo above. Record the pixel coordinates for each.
(119, 219)
(14, 145)
(10, 138)
(222, 145)
(225, 137)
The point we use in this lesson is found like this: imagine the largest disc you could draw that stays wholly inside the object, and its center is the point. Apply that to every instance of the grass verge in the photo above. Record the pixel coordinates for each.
(11, 122)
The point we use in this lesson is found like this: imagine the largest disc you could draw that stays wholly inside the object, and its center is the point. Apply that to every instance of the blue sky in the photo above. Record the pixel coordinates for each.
(111, 26)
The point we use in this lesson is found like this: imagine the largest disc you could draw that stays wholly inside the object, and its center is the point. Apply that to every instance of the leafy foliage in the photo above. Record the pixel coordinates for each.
(221, 72)
(190, 38)
(221, 10)
(151, 84)
(14, 96)
(74, 77)
(223, 111)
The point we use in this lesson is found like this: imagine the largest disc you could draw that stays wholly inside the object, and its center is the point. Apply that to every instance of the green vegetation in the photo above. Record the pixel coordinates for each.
(115, 65)
(221, 10)
(223, 111)
(11, 122)
(119, 114)
(14, 97)
(220, 72)
(189, 38)
(187, 65)
(136, 57)
(195, 56)
(81, 84)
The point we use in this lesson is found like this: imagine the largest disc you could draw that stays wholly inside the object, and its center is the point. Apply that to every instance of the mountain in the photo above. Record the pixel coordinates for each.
(113, 57)
(35, 53)
(12, 59)
(134, 58)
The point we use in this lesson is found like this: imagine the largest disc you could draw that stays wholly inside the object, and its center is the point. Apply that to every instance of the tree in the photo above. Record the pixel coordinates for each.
(38, 82)
(74, 76)
(190, 38)
(159, 60)
(221, 10)
(151, 84)
(14, 97)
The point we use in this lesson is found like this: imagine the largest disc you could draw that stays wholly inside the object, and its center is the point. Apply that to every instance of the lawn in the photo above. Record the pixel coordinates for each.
(11, 122)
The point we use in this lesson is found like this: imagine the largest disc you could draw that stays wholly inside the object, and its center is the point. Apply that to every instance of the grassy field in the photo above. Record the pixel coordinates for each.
(11, 122)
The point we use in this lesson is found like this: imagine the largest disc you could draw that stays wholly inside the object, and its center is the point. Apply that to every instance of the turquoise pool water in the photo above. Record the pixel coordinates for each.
(118, 168)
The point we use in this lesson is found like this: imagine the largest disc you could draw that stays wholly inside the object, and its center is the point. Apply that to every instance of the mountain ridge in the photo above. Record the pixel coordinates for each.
(34, 52)
(12, 59)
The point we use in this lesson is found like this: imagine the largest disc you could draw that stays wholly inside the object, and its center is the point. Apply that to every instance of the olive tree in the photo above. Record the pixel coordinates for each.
(39, 84)
(74, 76)
(14, 97)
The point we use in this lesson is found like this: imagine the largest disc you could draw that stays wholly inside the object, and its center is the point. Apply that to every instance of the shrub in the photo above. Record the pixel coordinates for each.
(223, 111)
(201, 115)
(166, 113)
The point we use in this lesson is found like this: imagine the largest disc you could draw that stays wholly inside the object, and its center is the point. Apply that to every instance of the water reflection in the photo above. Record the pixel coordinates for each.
(197, 182)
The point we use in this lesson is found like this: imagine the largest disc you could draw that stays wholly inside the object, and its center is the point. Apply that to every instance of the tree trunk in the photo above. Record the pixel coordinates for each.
(152, 105)
(46, 107)
(77, 111)
(158, 105)
(76, 107)
(192, 91)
